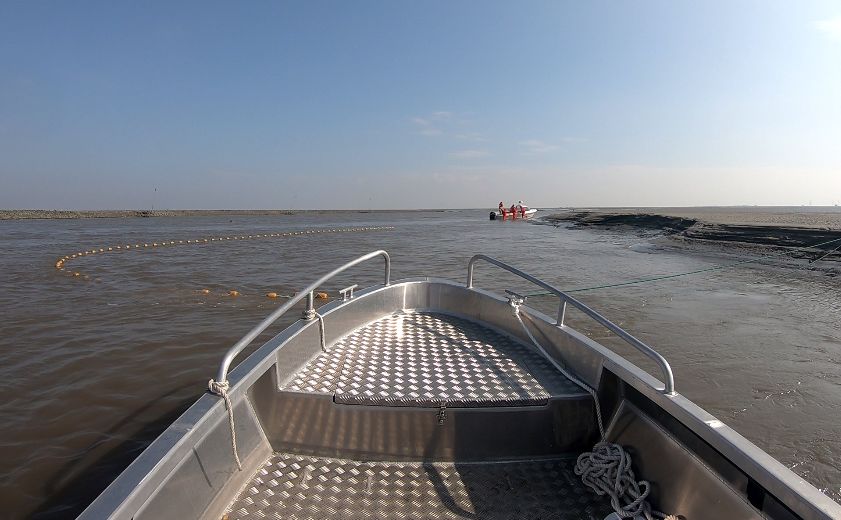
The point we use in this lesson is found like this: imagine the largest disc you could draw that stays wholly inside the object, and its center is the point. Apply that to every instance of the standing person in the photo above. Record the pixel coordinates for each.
(502, 210)
(513, 211)
(521, 208)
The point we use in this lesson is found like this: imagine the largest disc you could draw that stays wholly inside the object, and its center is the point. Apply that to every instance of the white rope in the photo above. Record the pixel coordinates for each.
(321, 331)
(312, 313)
(607, 469)
(562, 370)
(221, 389)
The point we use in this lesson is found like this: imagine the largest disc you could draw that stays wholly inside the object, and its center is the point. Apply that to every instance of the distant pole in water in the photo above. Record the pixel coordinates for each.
(154, 195)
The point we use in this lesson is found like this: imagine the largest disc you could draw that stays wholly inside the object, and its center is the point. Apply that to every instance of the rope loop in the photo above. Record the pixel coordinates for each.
(221, 388)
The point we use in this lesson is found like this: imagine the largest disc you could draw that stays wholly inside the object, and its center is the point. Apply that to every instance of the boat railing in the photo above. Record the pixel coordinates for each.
(307, 293)
(669, 379)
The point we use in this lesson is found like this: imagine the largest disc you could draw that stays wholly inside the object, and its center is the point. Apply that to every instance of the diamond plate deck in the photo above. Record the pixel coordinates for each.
(425, 359)
(295, 487)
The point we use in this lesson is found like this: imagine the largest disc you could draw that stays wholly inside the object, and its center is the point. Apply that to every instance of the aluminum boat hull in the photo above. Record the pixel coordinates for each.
(354, 430)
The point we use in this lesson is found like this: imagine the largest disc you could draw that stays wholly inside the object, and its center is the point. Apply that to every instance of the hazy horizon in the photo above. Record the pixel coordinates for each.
(367, 105)
(800, 208)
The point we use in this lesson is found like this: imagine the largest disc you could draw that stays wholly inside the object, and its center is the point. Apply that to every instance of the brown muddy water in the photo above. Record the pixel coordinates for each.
(94, 367)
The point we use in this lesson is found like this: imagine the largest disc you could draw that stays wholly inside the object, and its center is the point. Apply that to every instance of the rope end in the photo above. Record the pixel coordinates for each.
(220, 388)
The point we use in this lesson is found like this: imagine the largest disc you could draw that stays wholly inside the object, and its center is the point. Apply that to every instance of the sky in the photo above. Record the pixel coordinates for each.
(397, 104)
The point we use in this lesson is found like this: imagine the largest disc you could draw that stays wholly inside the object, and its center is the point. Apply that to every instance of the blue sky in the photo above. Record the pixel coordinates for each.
(422, 104)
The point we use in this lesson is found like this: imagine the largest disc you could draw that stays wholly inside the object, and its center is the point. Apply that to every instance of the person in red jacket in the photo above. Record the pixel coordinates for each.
(502, 210)
(513, 211)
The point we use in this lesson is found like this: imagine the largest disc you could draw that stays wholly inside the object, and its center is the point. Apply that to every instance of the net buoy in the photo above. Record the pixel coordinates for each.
(271, 295)
(322, 295)
(233, 292)
(205, 291)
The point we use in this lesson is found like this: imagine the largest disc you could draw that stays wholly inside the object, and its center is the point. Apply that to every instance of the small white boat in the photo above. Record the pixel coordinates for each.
(529, 213)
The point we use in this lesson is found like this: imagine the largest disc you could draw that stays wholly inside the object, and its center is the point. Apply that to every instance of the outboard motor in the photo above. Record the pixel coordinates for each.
(493, 215)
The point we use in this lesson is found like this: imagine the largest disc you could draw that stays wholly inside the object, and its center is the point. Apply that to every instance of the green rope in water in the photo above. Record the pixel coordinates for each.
(708, 269)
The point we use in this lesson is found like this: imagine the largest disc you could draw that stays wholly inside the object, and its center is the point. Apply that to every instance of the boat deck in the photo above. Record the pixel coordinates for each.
(298, 487)
(432, 360)
(424, 360)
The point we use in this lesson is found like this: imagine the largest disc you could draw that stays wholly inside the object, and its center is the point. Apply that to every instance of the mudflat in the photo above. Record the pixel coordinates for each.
(771, 226)
(828, 217)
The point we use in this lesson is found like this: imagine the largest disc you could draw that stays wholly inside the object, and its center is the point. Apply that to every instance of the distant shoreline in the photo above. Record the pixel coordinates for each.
(50, 214)
(763, 227)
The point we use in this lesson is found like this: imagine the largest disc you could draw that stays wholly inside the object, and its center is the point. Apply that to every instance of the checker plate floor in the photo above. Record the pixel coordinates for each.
(297, 488)
(425, 359)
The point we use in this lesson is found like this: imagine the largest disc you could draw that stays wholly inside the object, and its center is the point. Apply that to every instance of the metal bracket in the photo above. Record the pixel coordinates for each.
(442, 414)
(347, 292)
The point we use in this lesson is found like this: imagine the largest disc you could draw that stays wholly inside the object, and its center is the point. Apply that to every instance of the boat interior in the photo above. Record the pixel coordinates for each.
(429, 398)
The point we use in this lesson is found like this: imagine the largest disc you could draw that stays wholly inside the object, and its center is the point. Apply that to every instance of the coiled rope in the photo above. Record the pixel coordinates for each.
(607, 468)
(607, 471)
(221, 389)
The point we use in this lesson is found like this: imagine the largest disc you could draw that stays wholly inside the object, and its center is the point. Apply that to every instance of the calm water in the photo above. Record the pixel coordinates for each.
(95, 366)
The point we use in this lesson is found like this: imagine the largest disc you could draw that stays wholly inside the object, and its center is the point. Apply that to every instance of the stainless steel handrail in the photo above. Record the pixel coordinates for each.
(565, 298)
(238, 347)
